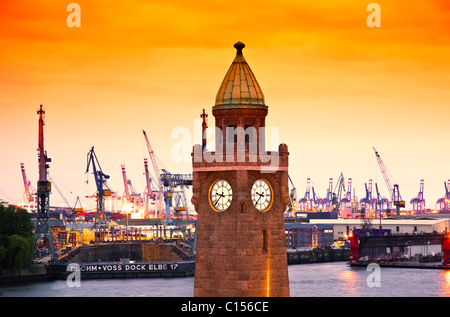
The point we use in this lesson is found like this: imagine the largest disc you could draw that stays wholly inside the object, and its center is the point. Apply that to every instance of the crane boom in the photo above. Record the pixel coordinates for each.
(159, 182)
(25, 182)
(148, 189)
(394, 191)
(385, 175)
(125, 183)
(153, 158)
(29, 195)
(59, 191)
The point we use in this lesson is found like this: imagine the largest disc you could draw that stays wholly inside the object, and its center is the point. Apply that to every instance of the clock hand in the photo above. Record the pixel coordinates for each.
(221, 196)
(258, 199)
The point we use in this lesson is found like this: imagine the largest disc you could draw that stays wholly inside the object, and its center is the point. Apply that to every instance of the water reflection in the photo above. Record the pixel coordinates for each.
(445, 283)
(348, 280)
(306, 280)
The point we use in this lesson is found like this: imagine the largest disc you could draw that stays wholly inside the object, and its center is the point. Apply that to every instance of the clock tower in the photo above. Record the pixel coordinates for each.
(240, 192)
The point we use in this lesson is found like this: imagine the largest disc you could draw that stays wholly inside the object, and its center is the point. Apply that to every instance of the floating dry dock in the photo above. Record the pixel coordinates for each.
(123, 270)
(125, 260)
(427, 250)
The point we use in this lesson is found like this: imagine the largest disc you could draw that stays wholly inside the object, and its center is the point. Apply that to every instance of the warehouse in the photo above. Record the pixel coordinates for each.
(307, 235)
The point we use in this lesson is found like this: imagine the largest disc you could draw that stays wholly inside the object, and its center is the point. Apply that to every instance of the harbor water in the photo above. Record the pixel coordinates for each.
(334, 279)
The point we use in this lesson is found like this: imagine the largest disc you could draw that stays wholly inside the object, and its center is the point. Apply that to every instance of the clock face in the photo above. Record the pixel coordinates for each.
(262, 195)
(220, 195)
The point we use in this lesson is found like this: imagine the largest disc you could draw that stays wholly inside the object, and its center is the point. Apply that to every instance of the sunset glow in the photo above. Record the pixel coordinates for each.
(334, 86)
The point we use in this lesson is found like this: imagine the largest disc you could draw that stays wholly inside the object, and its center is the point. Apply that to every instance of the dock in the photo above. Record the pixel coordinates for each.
(111, 270)
(425, 250)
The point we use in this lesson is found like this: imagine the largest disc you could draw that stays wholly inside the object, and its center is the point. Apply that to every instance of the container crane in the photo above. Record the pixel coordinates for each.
(367, 200)
(305, 202)
(43, 233)
(374, 199)
(102, 192)
(319, 202)
(444, 202)
(382, 203)
(348, 194)
(329, 199)
(394, 192)
(418, 203)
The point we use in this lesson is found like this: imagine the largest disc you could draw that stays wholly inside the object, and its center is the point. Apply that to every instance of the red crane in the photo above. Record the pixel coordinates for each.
(159, 195)
(126, 193)
(43, 234)
(131, 196)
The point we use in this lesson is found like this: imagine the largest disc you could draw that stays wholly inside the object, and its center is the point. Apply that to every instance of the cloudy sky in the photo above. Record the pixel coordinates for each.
(334, 86)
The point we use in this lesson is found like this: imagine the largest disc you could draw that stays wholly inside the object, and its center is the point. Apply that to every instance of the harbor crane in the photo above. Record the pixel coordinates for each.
(292, 206)
(444, 202)
(43, 233)
(337, 193)
(29, 196)
(348, 194)
(126, 194)
(69, 208)
(171, 187)
(394, 191)
(320, 203)
(102, 189)
(174, 192)
(130, 195)
(149, 194)
(305, 203)
(383, 204)
(76, 210)
(159, 183)
(418, 203)
(367, 200)
(329, 199)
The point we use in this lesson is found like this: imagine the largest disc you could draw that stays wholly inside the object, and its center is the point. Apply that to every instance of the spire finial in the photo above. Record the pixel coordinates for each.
(239, 46)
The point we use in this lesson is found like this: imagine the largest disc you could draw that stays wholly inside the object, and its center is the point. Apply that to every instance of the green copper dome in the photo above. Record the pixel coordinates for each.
(239, 88)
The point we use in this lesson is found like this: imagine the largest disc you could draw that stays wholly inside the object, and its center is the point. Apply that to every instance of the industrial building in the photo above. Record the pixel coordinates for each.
(398, 225)
(307, 235)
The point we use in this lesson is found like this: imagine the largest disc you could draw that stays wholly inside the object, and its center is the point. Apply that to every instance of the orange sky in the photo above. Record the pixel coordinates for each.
(334, 86)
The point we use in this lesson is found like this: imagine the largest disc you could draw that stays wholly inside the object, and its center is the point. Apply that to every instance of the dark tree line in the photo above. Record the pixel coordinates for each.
(16, 237)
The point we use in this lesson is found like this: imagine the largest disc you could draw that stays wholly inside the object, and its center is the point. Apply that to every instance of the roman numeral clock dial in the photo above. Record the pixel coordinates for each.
(220, 195)
(262, 195)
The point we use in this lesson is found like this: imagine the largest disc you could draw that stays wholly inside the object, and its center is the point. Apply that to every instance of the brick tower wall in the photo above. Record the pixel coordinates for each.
(241, 251)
